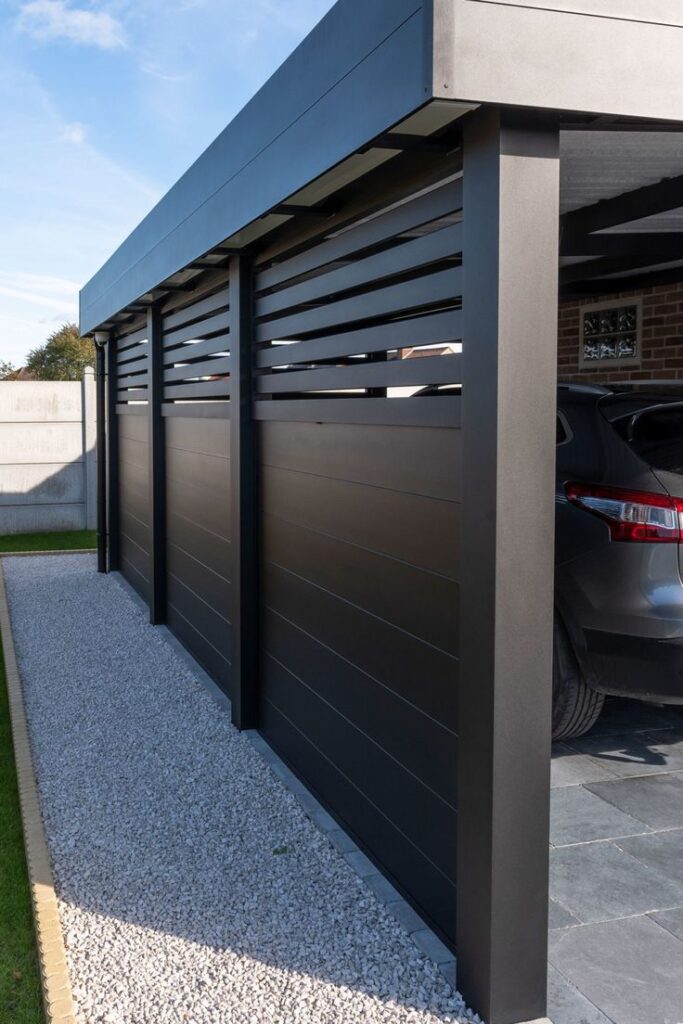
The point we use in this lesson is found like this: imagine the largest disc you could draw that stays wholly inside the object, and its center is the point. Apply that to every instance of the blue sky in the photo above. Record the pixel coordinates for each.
(103, 104)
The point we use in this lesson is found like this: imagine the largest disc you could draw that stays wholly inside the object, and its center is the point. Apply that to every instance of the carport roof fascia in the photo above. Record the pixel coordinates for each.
(365, 68)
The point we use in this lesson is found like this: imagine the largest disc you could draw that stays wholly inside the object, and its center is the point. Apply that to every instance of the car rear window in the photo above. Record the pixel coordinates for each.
(656, 435)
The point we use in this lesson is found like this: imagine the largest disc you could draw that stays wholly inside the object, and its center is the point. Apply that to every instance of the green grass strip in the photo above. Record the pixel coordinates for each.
(20, 992)
(70, 541)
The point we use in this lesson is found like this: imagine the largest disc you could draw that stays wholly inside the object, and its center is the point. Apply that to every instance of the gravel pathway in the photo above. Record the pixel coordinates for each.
(192, 886)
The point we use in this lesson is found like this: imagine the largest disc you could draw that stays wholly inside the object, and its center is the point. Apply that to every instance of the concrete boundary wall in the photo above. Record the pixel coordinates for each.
(47, 455)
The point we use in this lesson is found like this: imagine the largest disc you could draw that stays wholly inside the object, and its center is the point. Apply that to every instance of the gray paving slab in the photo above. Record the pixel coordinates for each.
(579, 816)
(566, 1005)
(625, 754)
(599, 882)
(631, 969)
(572, 768)
(559, 916)
(656, 800)
(662, 851)
(672, 920)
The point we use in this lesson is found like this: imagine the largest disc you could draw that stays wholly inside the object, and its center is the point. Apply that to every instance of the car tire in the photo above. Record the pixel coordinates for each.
(576, 707)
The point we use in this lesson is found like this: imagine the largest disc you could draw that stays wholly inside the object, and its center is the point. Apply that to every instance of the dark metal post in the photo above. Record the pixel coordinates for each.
(101, 458)
(157, 470)
(112, 457)
(510, 258)
(244, 510)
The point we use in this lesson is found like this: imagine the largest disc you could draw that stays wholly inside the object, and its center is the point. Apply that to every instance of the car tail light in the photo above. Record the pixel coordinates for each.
(632, 515)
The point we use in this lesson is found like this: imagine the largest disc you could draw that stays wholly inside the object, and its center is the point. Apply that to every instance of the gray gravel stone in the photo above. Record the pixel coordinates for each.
(193, 888)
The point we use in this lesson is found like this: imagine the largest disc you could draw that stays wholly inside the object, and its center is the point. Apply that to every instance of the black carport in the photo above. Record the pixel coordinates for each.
(366, 570)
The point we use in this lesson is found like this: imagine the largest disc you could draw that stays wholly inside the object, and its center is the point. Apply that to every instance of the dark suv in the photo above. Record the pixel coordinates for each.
(619, 545)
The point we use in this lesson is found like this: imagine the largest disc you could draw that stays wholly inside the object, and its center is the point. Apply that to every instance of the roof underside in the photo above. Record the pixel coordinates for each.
(349, 106)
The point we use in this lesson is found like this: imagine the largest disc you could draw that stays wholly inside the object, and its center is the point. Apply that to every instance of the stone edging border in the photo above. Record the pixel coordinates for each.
(54, 976)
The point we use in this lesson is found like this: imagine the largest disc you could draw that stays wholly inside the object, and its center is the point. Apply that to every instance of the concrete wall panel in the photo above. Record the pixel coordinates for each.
(47, 455)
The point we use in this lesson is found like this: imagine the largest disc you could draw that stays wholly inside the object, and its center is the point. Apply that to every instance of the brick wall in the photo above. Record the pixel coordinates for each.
(662, 337)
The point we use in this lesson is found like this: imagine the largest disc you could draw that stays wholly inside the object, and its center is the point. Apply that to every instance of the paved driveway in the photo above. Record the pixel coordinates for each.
(616, 918)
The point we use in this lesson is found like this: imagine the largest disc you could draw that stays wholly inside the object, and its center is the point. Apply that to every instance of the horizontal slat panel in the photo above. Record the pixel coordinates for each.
(435, 369)
(196, 311)
(201, 329)
(418, 530)
(131, 395)
(139, 410)
(216, 410)
(213, 660)
(434, 329)
(401, 858)
(200, 578)
(207, 475)
(404, 800)
(131, 339)
(136, 529)
(207, 547)
(200, 503)
(134, 380)
(136, 358)
(419, 602)
(136, 557)
(443, 411)
(429, 463)
(135, 428)
(220, 343)
(202, 368)
(200, 435)
(371, 707)
(133, 449)
(436, 204)
(205, 389)
(415, 671)
(133, 497)
(131, 572)
(443, 286)
(397, 260)
(206, 620)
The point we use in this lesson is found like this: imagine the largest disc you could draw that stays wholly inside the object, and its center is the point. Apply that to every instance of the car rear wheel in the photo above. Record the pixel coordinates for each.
(576, 707)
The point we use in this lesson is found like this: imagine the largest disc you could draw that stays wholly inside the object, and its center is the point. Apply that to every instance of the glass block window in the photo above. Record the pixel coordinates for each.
(610, 334)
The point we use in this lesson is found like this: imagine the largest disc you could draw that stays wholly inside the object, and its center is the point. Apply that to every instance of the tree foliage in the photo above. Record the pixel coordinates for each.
(64, 355)
(7, 370)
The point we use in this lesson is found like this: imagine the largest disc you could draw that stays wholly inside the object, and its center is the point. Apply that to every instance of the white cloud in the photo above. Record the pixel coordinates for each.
(75, 133)
(45, 20)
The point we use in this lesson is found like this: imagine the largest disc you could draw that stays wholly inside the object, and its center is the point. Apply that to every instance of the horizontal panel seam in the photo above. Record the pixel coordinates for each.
(361, 483)
(364, 672)
(362, 732)
(365, 611)
(179, 547)
(336, 767)
(218, 536)
(361, 547)
(173, 576)
(200, 634)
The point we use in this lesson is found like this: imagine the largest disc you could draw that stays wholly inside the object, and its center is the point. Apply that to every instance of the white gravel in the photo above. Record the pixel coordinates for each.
(162, 823)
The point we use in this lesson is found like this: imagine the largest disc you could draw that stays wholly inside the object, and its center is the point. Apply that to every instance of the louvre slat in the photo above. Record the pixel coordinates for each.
(196, 311)
(399, 259)
(393, 373)
(443, 286)
(438, 203)
(203, 368)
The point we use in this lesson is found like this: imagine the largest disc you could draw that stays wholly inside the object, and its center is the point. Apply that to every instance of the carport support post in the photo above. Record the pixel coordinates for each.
(157, 469)
(101, 456)
(243, 469)
(112, 457)
(510, 257)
